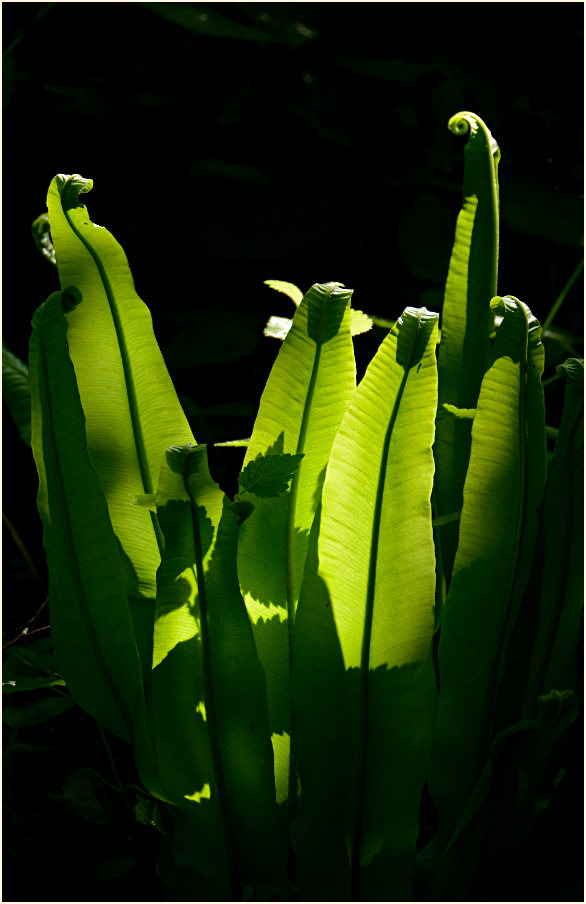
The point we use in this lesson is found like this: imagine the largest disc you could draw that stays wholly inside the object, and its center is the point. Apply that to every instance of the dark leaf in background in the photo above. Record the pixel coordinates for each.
(426, 235)
(27, 712)
(82, 793)
(116, 867)
(543, 211)
(211, 336)
(272, 221)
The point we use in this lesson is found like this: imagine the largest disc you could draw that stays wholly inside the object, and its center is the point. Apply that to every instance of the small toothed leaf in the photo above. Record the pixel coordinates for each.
(269, 475)
(359, 322)
(287, 288)
(277, 327)
(242, 509)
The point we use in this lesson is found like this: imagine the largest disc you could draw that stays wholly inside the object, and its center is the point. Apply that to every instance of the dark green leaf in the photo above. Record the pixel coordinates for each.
(206, 20)
(503, 489)
(33, 712)
(269, 475)
(16, 392)
(116, 867)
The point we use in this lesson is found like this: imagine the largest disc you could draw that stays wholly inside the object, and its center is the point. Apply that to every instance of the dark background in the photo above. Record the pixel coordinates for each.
(230, 143)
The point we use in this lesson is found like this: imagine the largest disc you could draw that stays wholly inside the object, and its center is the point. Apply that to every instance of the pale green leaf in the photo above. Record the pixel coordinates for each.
(287, 288)
(277, 327)
(467, 320)
(370, 607)
(359, 322)
(300, 411)
(132, 412)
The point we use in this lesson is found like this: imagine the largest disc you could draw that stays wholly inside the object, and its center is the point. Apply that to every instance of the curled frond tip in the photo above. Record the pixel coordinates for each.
(463, 122)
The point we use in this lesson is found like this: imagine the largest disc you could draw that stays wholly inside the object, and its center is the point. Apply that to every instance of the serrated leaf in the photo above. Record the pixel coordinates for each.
(277, 327)
(242, 509)
(359, 322)
(269, 475)
(287, 288)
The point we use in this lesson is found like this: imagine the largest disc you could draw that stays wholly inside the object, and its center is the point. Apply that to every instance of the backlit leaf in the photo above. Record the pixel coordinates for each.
(367, 600)
(503, 489)
(467, 319)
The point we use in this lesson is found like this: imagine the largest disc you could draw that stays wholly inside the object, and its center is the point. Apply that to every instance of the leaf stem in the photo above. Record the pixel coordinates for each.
(562, 297)
(366, 641)
(21, 547)
(233, 871)
(119, 786)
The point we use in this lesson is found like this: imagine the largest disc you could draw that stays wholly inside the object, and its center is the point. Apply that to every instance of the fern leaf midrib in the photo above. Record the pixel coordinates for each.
(367, 634)
(137, 432)
(208, 683)
(291, 576)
